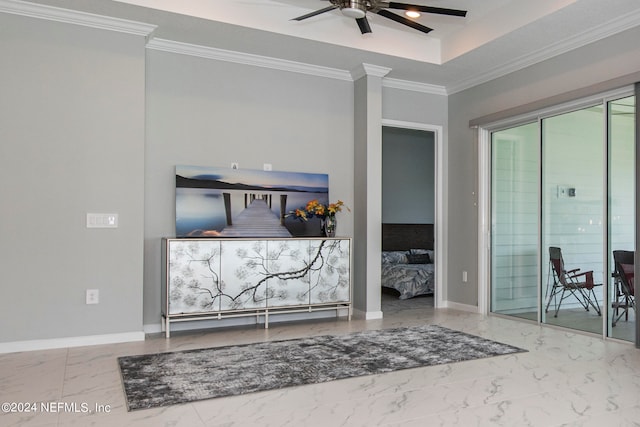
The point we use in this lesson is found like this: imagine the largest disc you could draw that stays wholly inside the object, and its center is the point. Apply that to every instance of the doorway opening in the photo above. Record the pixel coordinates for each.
(409, 212)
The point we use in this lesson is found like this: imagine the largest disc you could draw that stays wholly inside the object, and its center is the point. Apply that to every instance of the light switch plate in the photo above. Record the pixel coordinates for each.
(102, 220)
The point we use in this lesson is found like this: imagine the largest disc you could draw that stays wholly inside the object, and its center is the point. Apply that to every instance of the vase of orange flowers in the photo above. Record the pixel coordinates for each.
(326, 213)
(329, 226)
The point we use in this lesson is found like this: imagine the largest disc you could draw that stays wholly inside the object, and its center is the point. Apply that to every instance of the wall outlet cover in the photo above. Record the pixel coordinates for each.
(92, 296)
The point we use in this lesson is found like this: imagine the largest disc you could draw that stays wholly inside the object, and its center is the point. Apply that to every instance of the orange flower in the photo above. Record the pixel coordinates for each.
(315, 208)
(335, 207)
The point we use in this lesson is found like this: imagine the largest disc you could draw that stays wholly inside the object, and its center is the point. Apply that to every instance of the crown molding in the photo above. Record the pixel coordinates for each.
(246, 59)
(414, 86)
(591, 35)
(295, 67)
(369, 70)
(67, 16)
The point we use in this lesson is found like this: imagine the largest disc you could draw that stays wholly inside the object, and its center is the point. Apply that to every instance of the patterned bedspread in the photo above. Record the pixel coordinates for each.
(409, 279)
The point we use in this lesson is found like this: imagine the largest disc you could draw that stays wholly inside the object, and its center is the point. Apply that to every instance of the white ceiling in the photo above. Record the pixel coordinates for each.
(452, 36)
(496, 37)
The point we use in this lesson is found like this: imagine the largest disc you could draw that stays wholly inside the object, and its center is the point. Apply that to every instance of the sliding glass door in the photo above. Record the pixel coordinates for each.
(562, 201)
(514, 221)
(621, 137)
(573, 219)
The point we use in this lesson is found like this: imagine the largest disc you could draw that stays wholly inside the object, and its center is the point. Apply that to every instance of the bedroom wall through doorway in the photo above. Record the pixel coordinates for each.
(408, 190)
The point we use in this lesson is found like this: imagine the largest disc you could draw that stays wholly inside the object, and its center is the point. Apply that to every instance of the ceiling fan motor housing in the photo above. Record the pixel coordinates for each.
(358, 9)
(353, 8)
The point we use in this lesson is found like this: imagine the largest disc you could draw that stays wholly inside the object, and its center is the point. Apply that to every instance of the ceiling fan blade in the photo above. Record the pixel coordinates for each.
(427, 9)
(317, 12)
(403, 20)
(363, 23)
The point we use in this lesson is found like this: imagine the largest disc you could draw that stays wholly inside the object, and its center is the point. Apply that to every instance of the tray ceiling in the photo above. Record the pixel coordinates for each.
(496, 37)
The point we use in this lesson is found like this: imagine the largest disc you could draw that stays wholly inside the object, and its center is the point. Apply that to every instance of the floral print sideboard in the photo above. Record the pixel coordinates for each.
(218, 278)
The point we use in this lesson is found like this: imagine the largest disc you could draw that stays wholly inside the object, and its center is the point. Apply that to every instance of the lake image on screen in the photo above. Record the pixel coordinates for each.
(198, 209)
(201, 210)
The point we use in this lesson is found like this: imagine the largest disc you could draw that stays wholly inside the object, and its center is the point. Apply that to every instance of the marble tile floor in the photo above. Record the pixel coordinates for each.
(579, 319)
(565, 379)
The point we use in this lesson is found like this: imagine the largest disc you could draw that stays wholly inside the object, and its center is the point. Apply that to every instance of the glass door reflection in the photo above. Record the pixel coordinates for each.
(621, 144)
(514, 221)
(572, 249)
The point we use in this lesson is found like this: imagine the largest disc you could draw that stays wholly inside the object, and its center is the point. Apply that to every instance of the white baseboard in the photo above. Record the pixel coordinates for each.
(367, 315)
(460, 307)
(372, 315)
(49, 344)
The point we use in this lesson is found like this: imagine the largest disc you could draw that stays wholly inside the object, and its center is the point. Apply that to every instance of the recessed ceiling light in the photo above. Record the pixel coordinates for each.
(412, 13)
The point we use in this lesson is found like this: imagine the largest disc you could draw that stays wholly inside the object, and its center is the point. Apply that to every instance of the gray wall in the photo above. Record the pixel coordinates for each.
(76, 103)
(211, 113)
(590, 65)
(71, 142)
(408, 167)
(414, 106)
(72, 115)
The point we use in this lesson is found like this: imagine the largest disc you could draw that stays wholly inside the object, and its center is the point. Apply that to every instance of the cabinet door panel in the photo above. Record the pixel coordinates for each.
(330, 271)
(288, 269)
(194, 276)
(243, 268)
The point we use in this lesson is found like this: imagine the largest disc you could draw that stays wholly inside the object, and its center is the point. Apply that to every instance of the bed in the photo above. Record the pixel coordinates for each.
(407, 259)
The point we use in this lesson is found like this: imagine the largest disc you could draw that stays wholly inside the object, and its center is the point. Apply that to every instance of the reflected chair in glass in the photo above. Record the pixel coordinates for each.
(623, 262)
(567, 283)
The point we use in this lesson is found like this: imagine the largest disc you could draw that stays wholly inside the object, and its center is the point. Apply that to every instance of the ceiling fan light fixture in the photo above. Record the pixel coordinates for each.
(353, 13)
(356, 9)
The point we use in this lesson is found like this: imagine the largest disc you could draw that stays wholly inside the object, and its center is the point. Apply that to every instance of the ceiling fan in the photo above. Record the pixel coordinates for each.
(358, 9)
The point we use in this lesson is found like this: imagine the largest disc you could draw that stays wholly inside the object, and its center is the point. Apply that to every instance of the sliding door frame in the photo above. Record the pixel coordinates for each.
(484, 138)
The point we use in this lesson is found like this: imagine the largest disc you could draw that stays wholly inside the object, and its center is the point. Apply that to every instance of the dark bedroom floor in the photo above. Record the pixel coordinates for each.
(392, 304)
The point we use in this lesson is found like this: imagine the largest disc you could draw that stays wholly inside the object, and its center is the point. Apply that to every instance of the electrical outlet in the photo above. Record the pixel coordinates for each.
(93, 296)
(267, 166)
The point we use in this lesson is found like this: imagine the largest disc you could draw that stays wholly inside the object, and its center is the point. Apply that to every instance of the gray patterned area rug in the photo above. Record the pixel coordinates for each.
(163, 379)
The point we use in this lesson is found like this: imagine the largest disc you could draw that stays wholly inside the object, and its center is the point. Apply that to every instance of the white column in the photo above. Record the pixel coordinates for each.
(368, 189)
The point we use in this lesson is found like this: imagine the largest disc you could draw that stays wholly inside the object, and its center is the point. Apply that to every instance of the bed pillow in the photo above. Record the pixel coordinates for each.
(418, 259)
(422, 251)
(394, 257)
